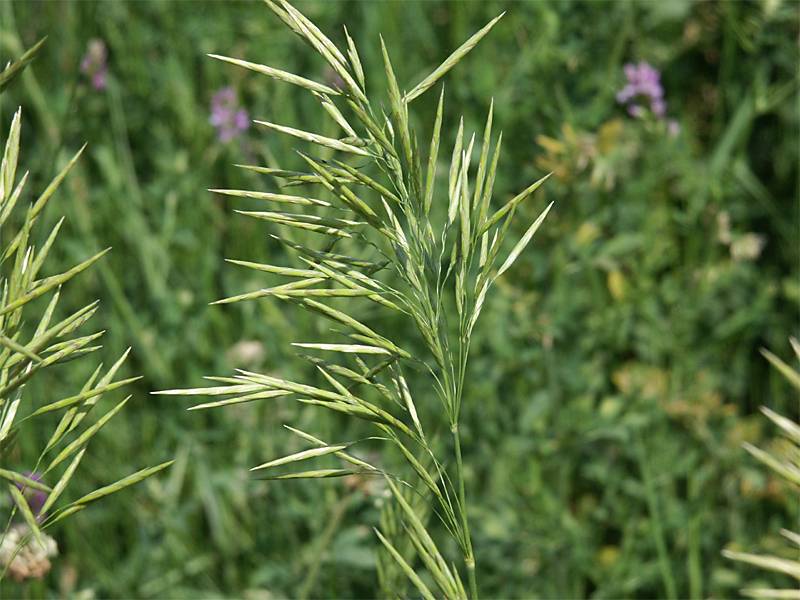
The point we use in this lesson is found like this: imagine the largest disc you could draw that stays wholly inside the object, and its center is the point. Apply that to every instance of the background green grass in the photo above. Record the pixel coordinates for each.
(615, 371)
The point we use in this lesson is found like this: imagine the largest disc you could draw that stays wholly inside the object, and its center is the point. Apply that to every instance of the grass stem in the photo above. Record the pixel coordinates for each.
(469, 556)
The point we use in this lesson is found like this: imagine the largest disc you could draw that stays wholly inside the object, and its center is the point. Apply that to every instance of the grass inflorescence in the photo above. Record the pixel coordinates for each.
(32, 340)
(421, 251)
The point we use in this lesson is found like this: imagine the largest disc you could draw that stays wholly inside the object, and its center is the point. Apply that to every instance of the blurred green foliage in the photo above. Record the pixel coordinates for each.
(614, 376)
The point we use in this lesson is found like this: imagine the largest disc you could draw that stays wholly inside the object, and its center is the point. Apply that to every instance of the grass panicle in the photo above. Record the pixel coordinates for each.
(393, 208)
(30, 341)
(787, 466)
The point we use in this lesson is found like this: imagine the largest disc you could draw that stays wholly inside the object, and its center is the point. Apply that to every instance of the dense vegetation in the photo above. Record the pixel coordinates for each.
(616, 370)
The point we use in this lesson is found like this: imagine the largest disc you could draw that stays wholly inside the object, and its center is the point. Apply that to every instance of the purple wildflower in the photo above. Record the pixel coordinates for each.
(644, 86)
(35, 498)
(226, 116)
(94, 64)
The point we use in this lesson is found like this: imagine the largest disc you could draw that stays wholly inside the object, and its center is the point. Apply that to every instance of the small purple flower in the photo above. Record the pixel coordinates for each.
(94, 64)
(35, 498)
(643, 87)
(226, 116)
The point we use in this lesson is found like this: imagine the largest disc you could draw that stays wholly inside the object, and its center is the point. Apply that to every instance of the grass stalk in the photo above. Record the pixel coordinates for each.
(469, 555)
